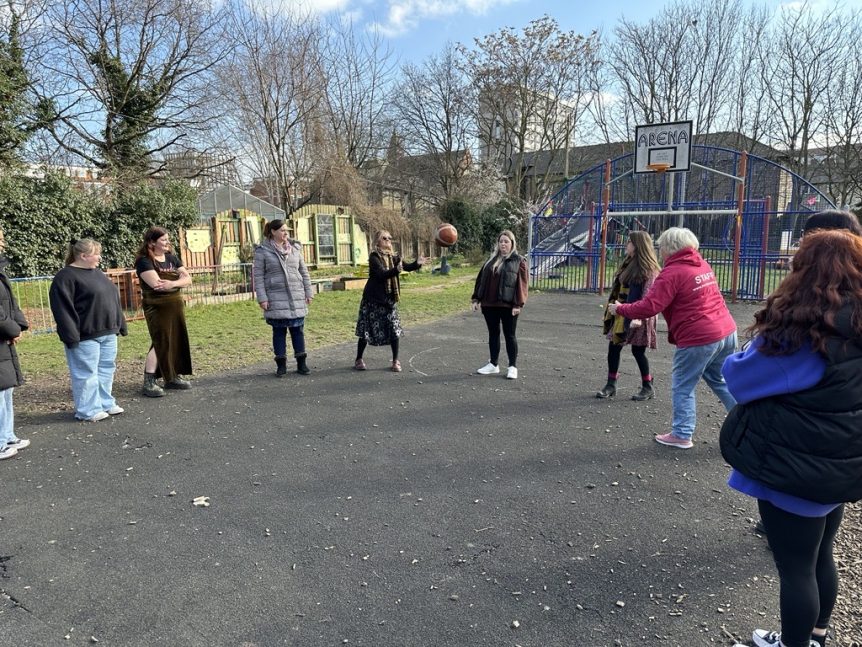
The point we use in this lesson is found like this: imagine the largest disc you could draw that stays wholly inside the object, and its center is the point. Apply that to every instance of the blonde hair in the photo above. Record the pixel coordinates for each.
(676, 239)
(497, 259)
(77, 248)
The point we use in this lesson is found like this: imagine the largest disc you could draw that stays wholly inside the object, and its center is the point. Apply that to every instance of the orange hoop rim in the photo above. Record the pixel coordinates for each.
(658, 167)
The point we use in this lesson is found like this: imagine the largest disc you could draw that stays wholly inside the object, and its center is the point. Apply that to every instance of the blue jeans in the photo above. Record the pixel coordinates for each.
(91, 367)
(7, 417)
(689, 365)
(279, 340)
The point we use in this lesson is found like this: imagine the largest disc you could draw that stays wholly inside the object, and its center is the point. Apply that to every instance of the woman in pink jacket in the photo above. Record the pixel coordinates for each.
(686, 292)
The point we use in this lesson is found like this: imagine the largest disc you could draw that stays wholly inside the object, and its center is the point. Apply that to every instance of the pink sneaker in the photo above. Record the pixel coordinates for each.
(674, 441)
(359, 365)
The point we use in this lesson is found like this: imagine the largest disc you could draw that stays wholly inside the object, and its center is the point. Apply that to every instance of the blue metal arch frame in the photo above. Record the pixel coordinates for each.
(565, 233)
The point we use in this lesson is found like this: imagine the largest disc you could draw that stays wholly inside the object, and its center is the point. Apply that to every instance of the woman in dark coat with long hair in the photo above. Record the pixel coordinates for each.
(632, 281)
(794, 439)
(12, 323)
(379, 323)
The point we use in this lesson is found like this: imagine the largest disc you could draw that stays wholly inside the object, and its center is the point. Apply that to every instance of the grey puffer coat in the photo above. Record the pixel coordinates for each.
(12, 322)
(282, 280)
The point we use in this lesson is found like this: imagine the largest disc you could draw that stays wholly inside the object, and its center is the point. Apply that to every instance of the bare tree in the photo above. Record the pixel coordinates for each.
(128, 78)
(434, 117)
(805, 51)
(839, 160)
(357, 78)
(676, 66)
(532, 90)
(273, 101)
(749, 115)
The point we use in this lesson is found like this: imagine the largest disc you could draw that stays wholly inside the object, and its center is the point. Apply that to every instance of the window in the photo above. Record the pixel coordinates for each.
(326, 236)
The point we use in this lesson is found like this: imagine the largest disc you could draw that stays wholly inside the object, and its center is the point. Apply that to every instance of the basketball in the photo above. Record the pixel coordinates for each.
(447, 235)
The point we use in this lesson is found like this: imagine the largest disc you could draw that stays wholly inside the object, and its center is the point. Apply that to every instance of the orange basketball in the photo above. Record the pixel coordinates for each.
(447, 235)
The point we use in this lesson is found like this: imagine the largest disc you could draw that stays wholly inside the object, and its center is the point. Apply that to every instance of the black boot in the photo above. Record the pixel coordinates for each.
(281, 366)
(301, 366)
(645, 393)
(151, 387)
(609, 390)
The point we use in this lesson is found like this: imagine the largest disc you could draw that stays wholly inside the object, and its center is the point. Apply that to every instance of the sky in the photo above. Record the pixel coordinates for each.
(416, 29)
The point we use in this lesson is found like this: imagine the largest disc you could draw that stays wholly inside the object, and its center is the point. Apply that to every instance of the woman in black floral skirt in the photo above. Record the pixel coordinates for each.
(378, 323)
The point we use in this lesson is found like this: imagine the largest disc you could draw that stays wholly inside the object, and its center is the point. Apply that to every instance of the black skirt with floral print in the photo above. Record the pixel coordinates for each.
(378, 323)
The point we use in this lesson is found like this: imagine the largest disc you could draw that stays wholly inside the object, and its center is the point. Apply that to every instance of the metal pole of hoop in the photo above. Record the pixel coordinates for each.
(660, 168)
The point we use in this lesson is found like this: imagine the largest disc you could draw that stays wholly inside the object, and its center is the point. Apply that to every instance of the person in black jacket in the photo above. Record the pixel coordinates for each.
(86, 306)
(794, 439)
(12, 323)
(378, 323)
(501, 292)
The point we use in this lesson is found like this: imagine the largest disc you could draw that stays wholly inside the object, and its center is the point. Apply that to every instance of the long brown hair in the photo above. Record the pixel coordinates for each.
(644, 264)
(826, 276)
(150, 238)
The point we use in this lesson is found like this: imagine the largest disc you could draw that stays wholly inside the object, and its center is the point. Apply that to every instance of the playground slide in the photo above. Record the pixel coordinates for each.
(546, 255)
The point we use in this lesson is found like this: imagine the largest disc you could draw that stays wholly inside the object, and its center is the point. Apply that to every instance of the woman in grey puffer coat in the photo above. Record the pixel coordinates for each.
(283, 289)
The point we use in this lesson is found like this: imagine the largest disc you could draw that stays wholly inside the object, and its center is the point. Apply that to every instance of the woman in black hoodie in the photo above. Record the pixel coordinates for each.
(86, 306)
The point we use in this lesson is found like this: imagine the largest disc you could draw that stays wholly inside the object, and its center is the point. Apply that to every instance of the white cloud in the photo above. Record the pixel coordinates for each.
(404, 15)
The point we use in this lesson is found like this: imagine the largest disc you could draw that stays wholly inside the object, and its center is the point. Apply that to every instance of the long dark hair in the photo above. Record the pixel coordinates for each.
(644, 264)
(825, 277)
(150, 238)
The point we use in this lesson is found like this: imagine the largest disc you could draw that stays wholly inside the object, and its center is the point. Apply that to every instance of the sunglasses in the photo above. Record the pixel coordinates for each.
(385, 238)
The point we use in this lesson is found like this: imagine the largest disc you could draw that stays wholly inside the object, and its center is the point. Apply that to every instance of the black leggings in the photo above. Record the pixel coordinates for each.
(360, 348)
(494, 317)
(639, 352)
(802, 549)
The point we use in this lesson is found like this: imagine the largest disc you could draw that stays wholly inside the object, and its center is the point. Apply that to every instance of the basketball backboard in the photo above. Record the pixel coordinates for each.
(659, 144)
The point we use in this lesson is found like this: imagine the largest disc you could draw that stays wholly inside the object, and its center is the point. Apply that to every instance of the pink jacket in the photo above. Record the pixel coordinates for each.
(687, 294)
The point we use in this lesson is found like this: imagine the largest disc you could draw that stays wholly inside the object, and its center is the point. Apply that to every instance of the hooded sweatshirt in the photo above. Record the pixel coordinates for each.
(686, 292)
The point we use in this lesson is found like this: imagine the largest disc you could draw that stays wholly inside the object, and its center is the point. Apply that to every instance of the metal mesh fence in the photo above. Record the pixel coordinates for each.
(566, 242)
(210, 285)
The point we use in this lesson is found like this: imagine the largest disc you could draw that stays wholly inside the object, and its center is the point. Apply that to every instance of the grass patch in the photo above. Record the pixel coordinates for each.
(234, 335)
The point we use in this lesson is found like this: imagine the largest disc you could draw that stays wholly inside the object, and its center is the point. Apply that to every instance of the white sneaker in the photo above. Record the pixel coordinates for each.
(7, 452)
(489, 369)
(116, 410)
(19, 443)
(512, 373)
(765, 638)
(99, 416)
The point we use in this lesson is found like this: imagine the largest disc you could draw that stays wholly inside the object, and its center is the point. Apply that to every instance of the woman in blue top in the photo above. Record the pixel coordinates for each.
(794, 440)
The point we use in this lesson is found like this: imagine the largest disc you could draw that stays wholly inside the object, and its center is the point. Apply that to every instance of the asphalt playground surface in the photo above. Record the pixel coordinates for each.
(435, 507)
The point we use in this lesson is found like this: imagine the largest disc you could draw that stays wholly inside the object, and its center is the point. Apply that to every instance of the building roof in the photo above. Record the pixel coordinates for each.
(583, 158)
(227, 198)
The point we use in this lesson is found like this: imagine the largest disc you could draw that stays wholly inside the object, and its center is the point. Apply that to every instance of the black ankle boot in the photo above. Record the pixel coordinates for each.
(609, 390)
(281, 366)
(301, 366)
(646, 393)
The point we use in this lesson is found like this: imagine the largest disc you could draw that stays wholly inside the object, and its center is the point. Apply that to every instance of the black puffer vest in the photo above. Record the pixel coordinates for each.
(807, 444)
(508, 280)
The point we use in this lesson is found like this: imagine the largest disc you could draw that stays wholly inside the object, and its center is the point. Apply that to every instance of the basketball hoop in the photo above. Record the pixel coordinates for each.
(658, 167)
